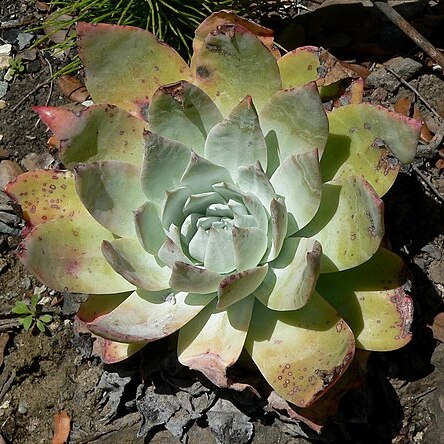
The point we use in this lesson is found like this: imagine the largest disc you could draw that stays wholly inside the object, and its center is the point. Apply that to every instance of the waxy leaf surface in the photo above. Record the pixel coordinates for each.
(229, 53)
(46, 195)
(147, 316)
(125, 65)
(79, 265)
(367, 141)
(372, 300)
(349, 224)
(214, 339)
(185, 113)
(301, 353)
(99, 132)
(110, 190)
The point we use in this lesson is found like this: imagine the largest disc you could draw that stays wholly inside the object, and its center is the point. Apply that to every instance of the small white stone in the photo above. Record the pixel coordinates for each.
(5, 50)
(23, 407)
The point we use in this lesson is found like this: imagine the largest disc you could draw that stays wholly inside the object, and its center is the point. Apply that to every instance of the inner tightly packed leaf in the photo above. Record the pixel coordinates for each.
(223, 202)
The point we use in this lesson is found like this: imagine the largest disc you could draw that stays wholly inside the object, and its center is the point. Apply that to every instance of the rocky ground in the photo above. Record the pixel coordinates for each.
(52, 379)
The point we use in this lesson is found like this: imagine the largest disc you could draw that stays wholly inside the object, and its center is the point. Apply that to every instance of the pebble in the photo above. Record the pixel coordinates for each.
(381, 78)
(24, 39)
(5, 50)
(4, 61)
(23, 407)
(4, 152)
(9, 169)
(33, 66)
(436, 272)
(432, 250)
(404, 67)
(421, 263)
(34, 161)
(9, 76)
(3, 89)
(29, 54)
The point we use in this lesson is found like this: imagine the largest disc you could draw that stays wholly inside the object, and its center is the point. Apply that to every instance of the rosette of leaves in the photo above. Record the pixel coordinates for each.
(220, 200)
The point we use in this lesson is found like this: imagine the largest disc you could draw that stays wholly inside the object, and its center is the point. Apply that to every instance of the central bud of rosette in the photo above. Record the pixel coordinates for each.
(222, 228)
(219, 231)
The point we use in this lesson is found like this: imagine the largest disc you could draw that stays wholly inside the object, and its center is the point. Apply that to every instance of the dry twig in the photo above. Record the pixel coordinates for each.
(40, 85)
(412, 88)
(411, 32)
(429, 184)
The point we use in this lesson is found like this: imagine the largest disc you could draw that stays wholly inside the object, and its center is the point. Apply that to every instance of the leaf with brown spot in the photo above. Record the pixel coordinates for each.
(73, 89)
(62, 427)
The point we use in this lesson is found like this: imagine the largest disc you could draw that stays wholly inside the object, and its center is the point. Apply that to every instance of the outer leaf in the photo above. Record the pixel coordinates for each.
(230, 53)
(301, 353)
(187, 277)
(298, 179)
(309, 63)
(295, 120)
(265, 35)
(111, 191)
(112, 352)
(299, 67)
(46, 195)
(66, 256)
(148, 316)
(349, 224)
(130, 260)
(109, 351)
(214, 339)
(240, 285)
(46, 318)
(125, 65)
(238, 141)
(164, 163)
(149, 227)
(99, 132)
(291, 279)
(185, 113)
(372, 300)
(362, 140)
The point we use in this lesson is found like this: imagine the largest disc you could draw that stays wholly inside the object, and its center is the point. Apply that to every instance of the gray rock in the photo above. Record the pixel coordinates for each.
(229, 425)
(404, 67)
(24, 39)
(381, 78)
(432, 250)
(29, 54)
(436, 272)
(3, 89)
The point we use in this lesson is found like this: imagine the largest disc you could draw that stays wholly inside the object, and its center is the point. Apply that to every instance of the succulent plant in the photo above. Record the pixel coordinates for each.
(222, 201)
